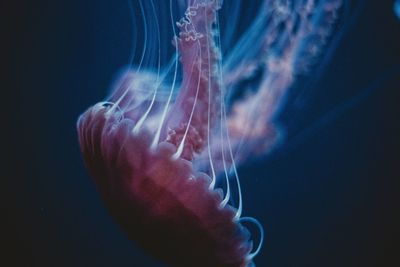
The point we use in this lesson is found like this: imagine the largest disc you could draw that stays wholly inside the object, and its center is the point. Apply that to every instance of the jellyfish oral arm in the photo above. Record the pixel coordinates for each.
(191, 118)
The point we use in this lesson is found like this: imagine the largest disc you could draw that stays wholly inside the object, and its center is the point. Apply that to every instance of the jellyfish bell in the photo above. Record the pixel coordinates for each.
(162, 203)
(163, 149)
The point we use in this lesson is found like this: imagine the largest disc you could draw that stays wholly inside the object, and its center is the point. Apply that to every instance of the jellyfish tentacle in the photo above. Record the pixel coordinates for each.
(139, 124)
(133, 50)
(165, 110)
(261, 229)
(224, 118)
(126, 92)
(223, 145)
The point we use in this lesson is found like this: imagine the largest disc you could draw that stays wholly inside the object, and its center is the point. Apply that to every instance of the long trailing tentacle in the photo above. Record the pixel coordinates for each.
(286, 39)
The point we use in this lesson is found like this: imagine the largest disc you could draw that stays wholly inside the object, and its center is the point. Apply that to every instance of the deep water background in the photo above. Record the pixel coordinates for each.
(329, 196)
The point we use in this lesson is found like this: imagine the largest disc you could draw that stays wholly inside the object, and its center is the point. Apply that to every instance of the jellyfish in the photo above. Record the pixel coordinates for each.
(164, 147)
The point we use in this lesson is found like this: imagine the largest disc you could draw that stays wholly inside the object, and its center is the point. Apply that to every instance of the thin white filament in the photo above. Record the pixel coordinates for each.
(228, 190)
(143, 118)
(133, 50)
(158, 133)
(141, 59)
(261, 229)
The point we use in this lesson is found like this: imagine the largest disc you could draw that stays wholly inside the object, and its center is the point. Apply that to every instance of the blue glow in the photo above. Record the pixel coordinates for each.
(397, 8)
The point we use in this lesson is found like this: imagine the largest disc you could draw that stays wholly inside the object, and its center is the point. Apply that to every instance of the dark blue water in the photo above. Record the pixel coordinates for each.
(327, 197)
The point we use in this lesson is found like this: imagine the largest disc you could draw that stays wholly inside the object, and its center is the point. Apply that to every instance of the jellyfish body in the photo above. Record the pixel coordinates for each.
(161, 202)
(157, 158)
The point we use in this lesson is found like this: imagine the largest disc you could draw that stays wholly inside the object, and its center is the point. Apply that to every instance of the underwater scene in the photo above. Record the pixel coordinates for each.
(208, 133)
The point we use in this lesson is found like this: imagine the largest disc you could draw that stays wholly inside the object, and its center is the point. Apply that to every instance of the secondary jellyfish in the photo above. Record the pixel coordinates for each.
(164, 147)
